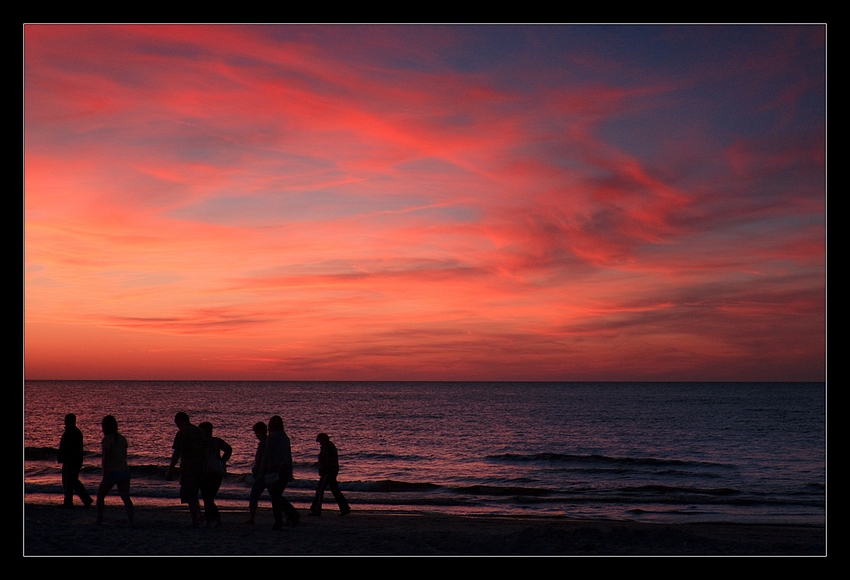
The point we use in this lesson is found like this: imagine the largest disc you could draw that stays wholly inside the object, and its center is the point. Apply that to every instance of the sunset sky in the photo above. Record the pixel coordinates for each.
(425, 202)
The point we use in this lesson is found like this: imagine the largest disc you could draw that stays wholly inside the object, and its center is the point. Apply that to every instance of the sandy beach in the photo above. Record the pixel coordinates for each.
(159, 531)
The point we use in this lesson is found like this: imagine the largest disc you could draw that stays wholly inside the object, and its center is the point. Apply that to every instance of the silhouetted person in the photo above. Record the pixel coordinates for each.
(71, 457)
(328, 470)
(216, 470)
(190, 447)
(115, 468)
(261, 432)
(277, 472)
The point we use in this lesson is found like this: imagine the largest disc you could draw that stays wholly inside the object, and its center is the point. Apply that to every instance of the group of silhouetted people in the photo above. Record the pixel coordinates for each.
(203, 460)
(116, 472)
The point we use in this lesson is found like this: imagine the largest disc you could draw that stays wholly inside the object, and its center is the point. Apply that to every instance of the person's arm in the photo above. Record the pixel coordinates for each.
(107, 453)
(258, 457)
(323, 460)
(333, 459)
(226, 449)
(63, 443)
(265, 462)
(174, 457)
(286, 466)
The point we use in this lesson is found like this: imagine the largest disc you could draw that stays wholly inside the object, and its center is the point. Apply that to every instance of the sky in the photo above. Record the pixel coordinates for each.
(540, 203)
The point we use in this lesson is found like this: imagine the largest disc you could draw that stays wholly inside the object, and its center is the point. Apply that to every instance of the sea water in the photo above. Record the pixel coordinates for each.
(670, 452)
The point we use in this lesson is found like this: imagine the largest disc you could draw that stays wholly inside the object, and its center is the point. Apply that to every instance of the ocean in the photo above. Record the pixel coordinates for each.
(662, 452)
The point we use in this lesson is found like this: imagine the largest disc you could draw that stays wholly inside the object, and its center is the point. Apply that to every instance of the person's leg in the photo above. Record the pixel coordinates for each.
(344, 508)
(82, 492)
(77, 485)
(124, 491)
(195, 508)
(276, 493)
(316, 508)
(208, 497)
(292, 515)
(254, 500)
(215, 485)
(195, 511)
(189, 488)
(104, 488)
(67, 485)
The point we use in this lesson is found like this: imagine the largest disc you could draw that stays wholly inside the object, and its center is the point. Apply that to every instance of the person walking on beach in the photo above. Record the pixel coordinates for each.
(216, 470)
(115, 468)
(190, 447)
(71, 457)
(276, 470)
(328, 470)
(261, 431)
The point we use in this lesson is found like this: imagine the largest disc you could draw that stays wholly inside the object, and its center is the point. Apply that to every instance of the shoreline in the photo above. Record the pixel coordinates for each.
(164, 531)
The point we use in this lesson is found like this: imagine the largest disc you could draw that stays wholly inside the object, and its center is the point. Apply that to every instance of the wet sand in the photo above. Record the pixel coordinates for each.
(166, 531)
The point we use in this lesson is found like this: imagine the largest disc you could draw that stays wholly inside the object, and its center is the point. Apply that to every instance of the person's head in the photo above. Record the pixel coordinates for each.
(70, 420)
(260, 429)
(275, 424)
(109, 425)
(207, 427)
(181, 419)
(322, 438)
